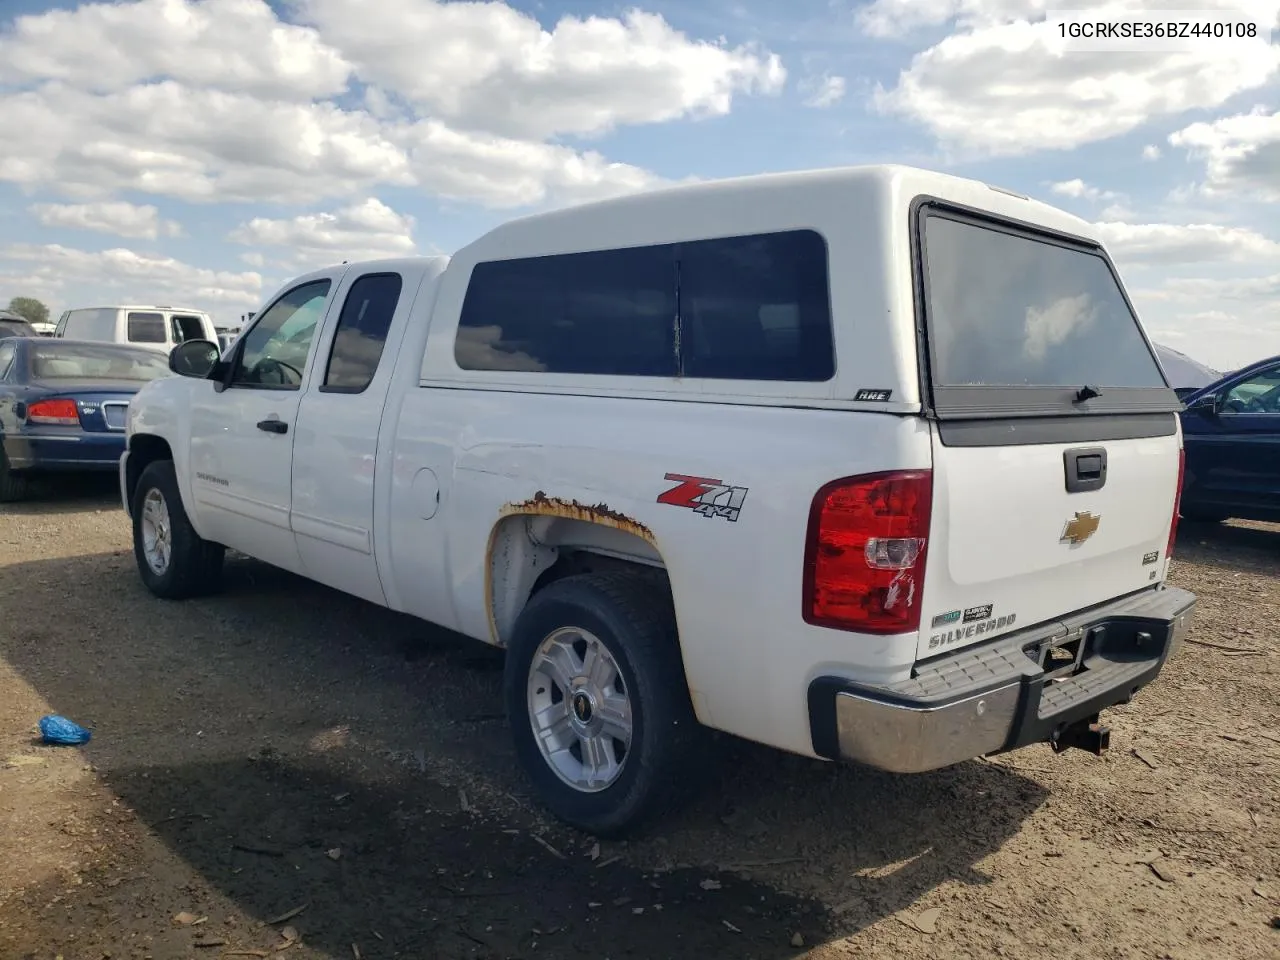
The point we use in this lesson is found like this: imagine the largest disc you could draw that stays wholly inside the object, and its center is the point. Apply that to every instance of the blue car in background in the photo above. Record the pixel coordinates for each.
(1231, 433)
(64, 404)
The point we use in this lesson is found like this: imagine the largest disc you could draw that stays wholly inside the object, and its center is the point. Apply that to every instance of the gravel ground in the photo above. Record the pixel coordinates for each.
(285, 771)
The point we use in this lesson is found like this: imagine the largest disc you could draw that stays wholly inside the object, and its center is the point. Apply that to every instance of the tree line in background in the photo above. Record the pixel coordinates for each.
(30, 309)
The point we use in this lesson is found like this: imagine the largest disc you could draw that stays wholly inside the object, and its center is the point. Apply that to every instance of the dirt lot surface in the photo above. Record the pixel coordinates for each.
(285, 771)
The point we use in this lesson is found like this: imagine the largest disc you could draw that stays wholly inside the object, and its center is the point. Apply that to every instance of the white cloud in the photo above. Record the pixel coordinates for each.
(1197, 243)
(896, 18)
(503, 172)
(1233, 288)
(206, 145)
(126, 276)
(1241, 154)
(823, 92)
(363, 231)
(114, 217)
(1080, 190)
(1224, 323)
(1151, 152)
(96, 124)
(235, 45)
(487, 66)
(1003, 85)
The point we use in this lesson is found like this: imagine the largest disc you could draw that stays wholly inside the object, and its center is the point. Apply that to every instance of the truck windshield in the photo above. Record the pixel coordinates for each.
(1005, 309)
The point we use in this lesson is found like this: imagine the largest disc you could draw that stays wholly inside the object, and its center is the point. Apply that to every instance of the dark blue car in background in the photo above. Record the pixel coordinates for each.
(1231, 433)
(63, 405)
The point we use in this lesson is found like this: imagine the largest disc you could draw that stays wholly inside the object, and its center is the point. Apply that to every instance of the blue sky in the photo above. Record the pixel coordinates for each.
(204, 151)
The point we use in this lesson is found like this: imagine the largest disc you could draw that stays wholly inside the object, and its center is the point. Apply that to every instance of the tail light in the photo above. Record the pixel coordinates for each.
(865, 554)
(1177, 502)
(61, 412)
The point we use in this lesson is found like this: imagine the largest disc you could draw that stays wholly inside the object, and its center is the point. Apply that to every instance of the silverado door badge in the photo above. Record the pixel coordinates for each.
(1080, 527)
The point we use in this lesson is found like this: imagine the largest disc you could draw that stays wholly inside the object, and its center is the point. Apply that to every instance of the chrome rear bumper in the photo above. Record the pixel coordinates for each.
(998, 696)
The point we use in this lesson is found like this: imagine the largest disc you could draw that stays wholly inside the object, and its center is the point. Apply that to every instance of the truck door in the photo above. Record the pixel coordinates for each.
(337, 434)
(242, 437)
(1233, 448)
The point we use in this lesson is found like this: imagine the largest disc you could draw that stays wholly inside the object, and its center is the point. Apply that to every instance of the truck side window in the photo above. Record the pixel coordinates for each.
(607, 311)
(746, 308)
(362, 332)
(757, 308)
(275, 350)
(146, 328)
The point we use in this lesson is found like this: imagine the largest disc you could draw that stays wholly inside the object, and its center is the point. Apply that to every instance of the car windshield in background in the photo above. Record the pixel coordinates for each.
(1008, 310)
(16, 328)
(66, 361)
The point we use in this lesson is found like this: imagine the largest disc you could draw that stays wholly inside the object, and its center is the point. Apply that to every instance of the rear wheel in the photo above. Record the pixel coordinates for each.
(174, 561)
(13, 486)
(598, 701)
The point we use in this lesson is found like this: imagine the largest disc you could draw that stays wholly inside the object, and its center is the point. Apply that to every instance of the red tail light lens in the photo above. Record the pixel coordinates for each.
(865, 555)
(62, 412)
(1177, 502)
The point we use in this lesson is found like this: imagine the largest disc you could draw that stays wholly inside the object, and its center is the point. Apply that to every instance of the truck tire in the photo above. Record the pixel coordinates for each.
(598, 702)
(174, 561)
(13, 486)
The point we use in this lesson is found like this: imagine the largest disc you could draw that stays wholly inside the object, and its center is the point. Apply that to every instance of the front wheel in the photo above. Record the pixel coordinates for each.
(174, 561)
(598, 701)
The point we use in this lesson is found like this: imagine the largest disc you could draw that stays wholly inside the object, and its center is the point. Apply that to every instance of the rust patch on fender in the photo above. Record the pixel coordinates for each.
(542, 505)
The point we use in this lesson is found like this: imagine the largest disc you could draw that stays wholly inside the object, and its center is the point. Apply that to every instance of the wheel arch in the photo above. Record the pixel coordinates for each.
(536, 543)
(144, 450)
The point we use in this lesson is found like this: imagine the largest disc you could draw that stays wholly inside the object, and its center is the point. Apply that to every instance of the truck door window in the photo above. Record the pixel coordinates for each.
(362, 332)
(146, 328)
(275, 351)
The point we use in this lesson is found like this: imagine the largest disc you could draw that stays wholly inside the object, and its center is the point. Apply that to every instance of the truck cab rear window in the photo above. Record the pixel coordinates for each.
(749, 308)
(1007, 309)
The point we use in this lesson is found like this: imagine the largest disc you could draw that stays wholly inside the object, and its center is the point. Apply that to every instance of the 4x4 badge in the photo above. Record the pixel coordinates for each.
(1080, 527)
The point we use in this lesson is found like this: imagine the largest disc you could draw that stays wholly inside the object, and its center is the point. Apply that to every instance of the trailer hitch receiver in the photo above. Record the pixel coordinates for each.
(1087, 734)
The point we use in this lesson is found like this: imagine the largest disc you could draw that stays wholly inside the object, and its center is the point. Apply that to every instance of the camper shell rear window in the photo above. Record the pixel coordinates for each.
(1023, 323)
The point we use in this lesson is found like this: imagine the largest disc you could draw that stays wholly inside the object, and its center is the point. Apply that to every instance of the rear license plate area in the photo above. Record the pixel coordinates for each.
(115, 415)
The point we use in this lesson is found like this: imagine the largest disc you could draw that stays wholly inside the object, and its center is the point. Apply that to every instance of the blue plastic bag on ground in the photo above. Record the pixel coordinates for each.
(60, 730)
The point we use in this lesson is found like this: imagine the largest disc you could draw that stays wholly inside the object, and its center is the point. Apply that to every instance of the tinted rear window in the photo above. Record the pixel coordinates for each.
(15, 328)
(735, 308)
(147, 328)
(86, 361)
(1005, 309)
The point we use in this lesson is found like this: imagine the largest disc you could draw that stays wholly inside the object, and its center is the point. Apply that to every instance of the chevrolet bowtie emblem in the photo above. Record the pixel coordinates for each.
(1080, 527)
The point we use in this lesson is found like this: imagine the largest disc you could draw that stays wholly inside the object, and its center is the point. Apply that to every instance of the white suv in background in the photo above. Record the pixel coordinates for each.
(157, 327)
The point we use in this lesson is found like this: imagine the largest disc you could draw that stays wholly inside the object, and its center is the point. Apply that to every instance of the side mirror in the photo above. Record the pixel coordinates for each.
(194, 358)
(1206, 404)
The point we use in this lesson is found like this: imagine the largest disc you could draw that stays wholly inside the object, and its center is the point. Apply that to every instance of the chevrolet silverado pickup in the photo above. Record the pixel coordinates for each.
(872, 465)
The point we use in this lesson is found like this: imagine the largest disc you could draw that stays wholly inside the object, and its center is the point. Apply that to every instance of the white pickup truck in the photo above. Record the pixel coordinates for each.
(869, 464)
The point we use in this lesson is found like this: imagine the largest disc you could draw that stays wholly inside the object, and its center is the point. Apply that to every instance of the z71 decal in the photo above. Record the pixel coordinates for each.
(711, 498)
